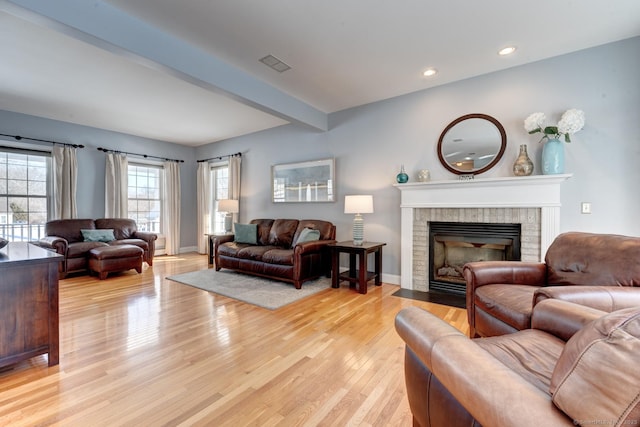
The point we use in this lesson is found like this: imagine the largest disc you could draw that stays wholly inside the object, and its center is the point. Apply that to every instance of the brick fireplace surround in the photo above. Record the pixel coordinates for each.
(532, 201)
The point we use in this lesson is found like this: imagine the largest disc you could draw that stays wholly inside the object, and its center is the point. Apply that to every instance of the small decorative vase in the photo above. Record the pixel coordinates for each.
(402, 177)
(553, 157)
(523, 165)
(424, 175)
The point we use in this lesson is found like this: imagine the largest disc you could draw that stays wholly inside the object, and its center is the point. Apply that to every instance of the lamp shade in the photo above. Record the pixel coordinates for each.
(228, 205)
(359, 204)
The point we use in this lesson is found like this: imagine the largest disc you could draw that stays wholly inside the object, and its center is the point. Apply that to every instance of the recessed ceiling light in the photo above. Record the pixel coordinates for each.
(507, 50)
(430, 72)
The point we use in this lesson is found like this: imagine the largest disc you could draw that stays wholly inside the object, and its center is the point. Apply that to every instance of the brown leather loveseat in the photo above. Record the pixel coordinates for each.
(275, 249)
(65, 237)
(575, 366)
(598, 270)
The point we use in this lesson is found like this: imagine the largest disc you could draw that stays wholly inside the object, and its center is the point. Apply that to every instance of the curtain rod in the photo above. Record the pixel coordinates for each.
(226, 156)
(107, 150)
(18, 138)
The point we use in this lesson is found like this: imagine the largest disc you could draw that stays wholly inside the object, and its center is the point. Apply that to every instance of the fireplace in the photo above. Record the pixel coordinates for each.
(531, 201)
(453, 244)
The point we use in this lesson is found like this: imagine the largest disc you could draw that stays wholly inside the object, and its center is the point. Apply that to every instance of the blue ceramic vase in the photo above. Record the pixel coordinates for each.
(553, 157)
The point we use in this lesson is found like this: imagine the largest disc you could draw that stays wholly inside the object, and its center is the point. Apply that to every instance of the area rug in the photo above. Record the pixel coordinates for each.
(266, 293)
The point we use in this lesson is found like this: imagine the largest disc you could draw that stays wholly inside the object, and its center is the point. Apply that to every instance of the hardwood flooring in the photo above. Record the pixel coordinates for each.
(140, 350)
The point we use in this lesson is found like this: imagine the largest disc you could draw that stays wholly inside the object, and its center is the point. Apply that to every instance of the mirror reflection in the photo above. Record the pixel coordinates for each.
(472, 144)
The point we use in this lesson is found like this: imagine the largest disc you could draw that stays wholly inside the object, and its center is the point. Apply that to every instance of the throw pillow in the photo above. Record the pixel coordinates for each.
(100, 235)
(246, 233)
(596, 377)
(308, 235)
(282, 232)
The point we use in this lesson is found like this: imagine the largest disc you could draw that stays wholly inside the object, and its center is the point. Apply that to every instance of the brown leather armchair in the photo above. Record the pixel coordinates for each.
(575, 366)
(127, 233)
(598, 270)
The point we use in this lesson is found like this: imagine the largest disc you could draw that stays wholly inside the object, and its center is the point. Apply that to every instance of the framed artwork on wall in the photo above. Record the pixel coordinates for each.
(303, 182)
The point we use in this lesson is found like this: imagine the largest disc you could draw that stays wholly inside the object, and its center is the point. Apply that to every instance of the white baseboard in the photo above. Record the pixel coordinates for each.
(393, 279)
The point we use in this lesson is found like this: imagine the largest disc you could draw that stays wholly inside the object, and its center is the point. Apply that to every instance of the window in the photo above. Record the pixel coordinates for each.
(220, 185)
(145, 205)
(25, 178)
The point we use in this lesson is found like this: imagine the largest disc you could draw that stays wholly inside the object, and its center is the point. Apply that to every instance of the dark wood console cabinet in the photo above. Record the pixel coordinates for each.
(28, 303)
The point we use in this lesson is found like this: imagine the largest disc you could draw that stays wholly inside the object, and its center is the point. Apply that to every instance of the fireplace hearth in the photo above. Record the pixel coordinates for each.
(453, 244)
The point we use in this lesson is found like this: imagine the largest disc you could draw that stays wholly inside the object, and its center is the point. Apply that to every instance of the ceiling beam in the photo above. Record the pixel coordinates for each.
(109, 28)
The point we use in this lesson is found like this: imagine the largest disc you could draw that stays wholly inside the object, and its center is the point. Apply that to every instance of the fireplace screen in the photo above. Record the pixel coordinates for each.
(453, 244)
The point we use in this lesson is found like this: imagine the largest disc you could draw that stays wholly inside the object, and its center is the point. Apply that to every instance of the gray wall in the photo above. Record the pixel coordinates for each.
(371, 142)
(91, 162)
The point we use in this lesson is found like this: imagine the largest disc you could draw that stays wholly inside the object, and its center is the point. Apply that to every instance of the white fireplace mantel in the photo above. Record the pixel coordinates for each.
(536, 191)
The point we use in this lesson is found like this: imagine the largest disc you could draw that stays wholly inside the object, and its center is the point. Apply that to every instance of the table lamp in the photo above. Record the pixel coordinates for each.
(229, 206)
(358, 205)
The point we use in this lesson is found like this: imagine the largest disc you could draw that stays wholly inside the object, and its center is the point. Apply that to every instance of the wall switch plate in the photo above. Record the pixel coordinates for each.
(586, 208)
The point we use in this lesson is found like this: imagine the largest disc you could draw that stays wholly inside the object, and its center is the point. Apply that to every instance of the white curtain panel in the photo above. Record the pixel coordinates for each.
(203, 191)
(65, 182)
(234, 181)
(171, 207)
(116, 196)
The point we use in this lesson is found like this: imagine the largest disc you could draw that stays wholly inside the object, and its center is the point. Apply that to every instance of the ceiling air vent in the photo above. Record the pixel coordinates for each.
(273, 62)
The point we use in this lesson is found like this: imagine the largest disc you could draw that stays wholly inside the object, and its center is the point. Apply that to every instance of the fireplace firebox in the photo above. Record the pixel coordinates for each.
(453, 244)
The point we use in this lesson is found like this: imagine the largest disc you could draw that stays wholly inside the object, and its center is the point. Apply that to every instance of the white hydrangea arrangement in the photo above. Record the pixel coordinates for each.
(571, 122)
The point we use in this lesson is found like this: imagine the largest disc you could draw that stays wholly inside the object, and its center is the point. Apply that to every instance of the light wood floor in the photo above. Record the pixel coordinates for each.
(140, 350)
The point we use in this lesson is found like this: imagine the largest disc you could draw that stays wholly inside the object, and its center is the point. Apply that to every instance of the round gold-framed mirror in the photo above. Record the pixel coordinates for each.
(472, 144)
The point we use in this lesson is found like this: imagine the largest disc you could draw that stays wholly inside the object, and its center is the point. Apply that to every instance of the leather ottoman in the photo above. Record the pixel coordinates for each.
(107, 259)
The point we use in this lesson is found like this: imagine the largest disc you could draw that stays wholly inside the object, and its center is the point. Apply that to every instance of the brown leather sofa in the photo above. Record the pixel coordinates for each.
(277, 254)
(575, 366)
(598, 270)
(64, 236)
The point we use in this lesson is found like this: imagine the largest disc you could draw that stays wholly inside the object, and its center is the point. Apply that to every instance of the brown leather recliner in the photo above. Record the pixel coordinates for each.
(576, 366)
(598, 270)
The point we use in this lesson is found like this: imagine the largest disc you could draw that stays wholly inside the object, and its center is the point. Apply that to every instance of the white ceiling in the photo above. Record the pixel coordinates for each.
(342, 54)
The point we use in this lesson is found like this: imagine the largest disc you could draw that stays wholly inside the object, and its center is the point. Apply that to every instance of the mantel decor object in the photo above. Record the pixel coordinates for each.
(358, 205)
(424, 175)
(402, 177)
(571, 122)
(553, 157)
(523, 165)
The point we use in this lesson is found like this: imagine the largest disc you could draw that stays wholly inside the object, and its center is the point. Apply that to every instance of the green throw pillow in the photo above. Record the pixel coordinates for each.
(308, 235)
(100, 235)
(246, 233)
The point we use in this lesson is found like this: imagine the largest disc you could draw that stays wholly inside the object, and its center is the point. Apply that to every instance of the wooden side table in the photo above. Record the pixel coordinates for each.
(359, 275)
